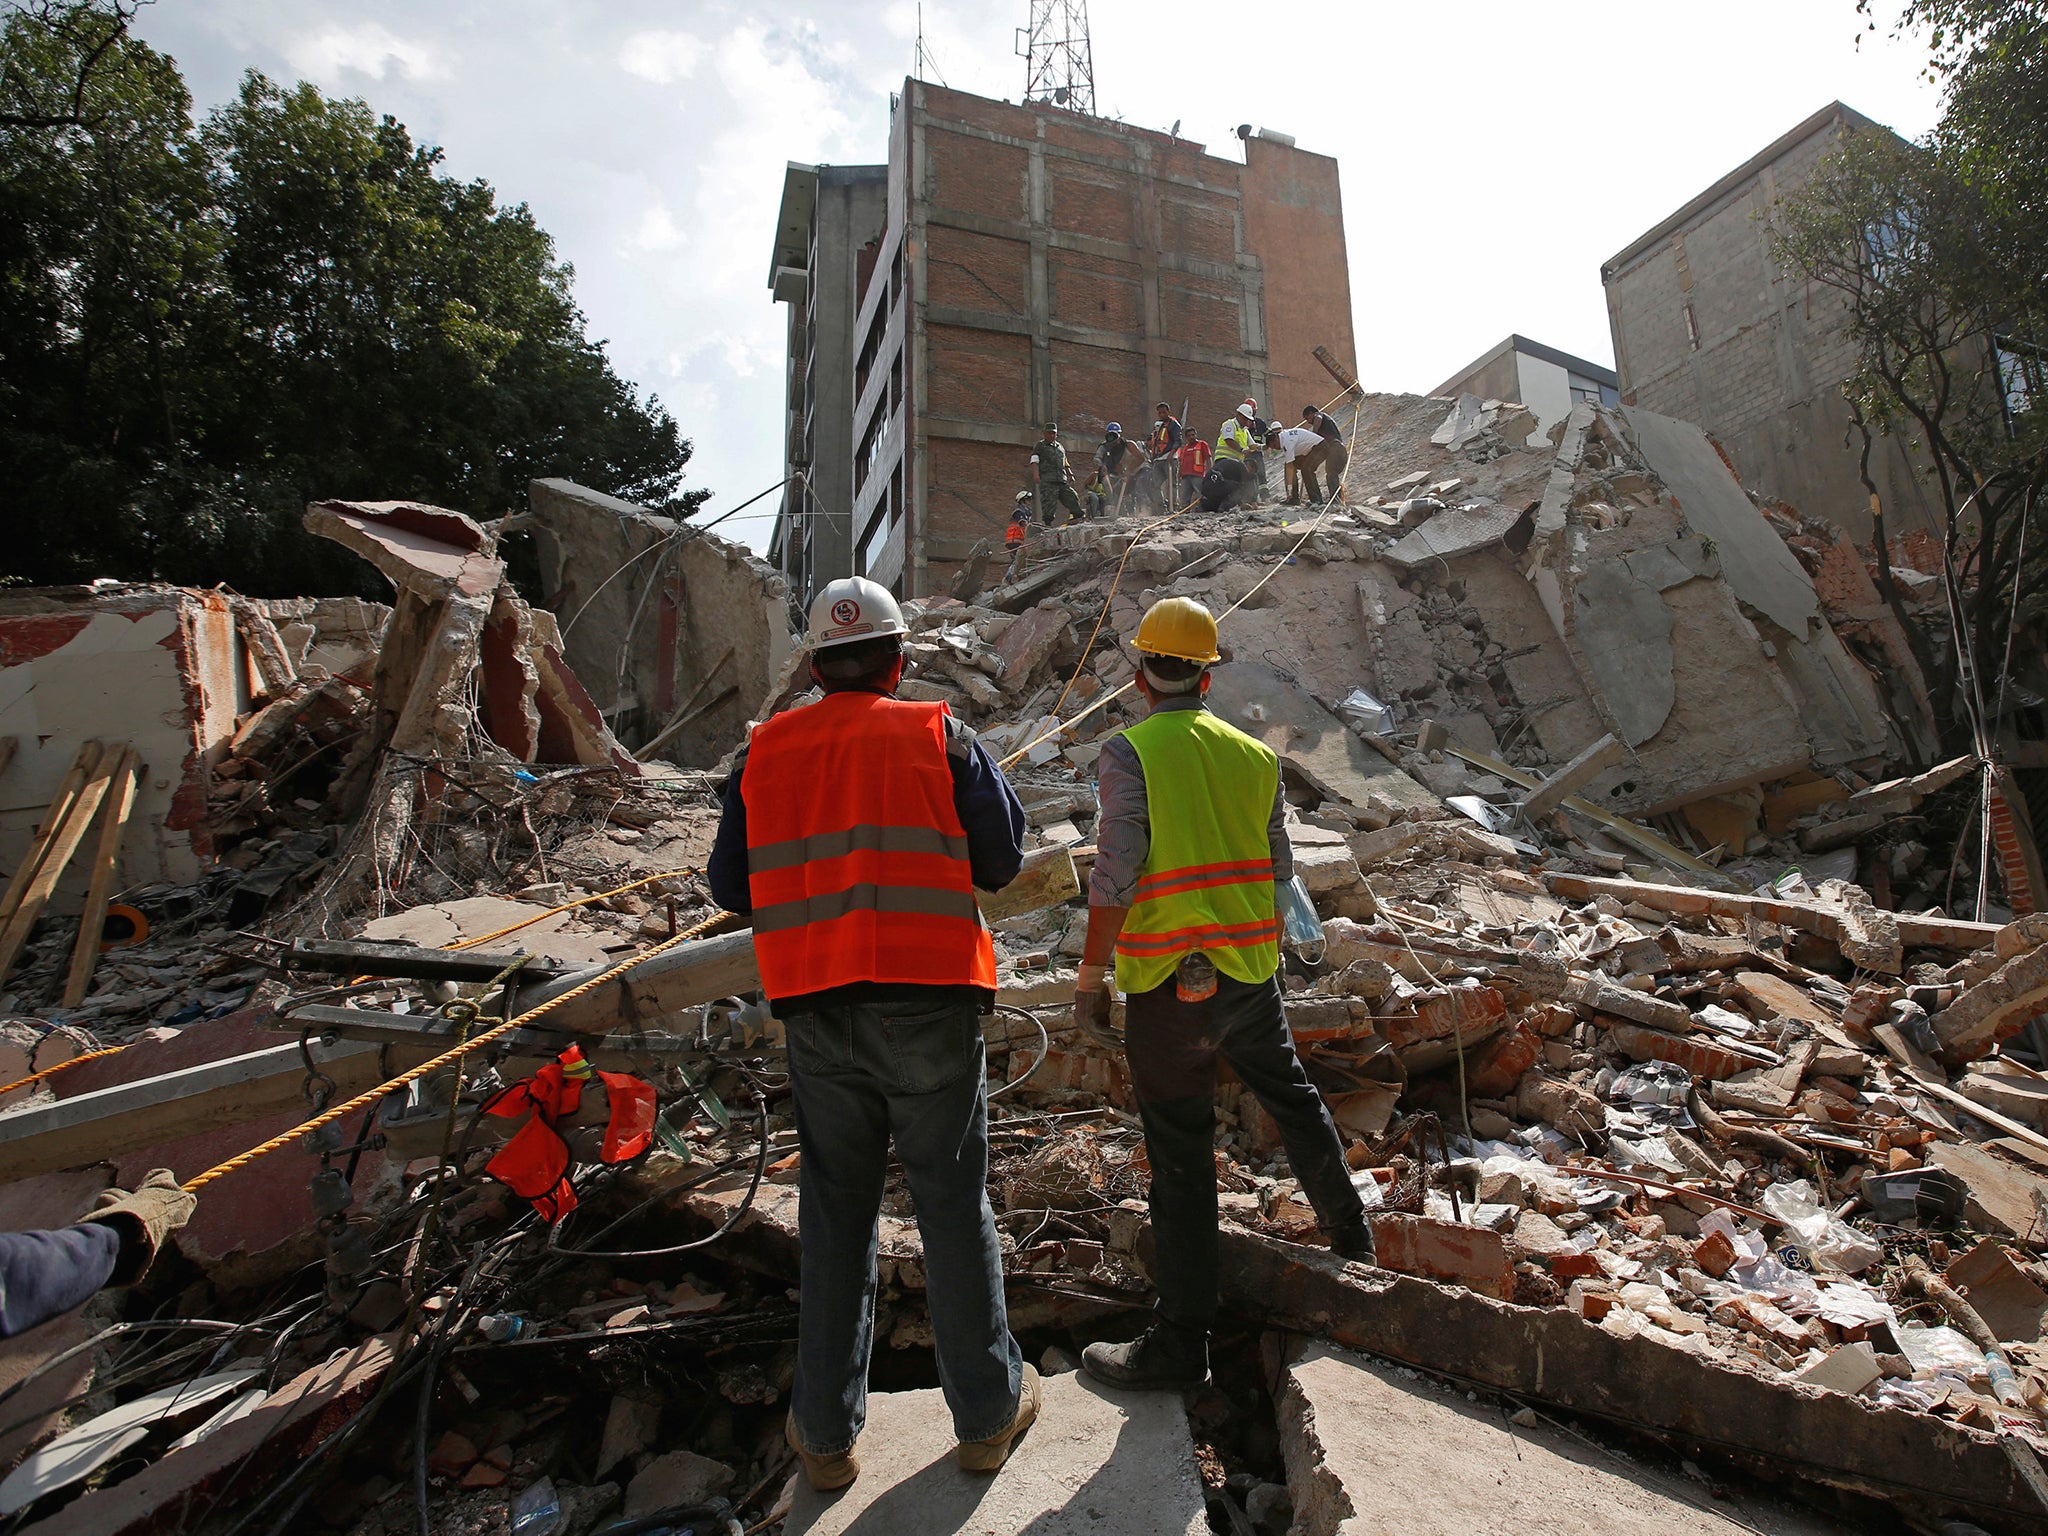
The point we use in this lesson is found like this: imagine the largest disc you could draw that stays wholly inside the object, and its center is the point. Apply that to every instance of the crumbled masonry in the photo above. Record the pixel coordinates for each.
(1693, 1111)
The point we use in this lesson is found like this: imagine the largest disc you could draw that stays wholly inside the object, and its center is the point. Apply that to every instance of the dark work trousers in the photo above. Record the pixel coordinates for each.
(908, 1069)
(1221, 483)
(1172, 1048)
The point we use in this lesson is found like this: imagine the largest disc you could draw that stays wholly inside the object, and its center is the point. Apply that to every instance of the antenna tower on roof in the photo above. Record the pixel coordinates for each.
(1059, 64)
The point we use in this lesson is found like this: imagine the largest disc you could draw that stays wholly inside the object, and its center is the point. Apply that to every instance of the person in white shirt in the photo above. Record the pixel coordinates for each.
(1306, 452)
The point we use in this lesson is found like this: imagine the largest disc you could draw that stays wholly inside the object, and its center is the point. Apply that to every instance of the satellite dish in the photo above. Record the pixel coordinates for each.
(1174, 131)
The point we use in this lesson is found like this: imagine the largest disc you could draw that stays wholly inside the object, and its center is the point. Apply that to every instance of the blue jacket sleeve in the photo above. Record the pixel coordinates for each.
(726, 869)
(44, 1274)
(990, 811)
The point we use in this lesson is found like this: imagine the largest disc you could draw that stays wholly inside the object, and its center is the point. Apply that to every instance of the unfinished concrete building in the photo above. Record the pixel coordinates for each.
(1709, 328)
(827, 234)
(1038, 264)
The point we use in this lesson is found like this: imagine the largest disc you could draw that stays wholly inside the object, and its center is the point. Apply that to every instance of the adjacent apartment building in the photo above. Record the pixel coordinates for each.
(1547, 381)
(1033, 264)
(826, 235)
(1708, 327)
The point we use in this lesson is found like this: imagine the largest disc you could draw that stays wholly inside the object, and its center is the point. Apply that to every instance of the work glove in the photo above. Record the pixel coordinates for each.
(1091, 1009)
(156, 1209)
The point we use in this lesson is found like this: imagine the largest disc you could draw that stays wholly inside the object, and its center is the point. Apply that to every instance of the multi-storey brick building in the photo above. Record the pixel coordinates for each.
(1042, 265)
(1709, 327)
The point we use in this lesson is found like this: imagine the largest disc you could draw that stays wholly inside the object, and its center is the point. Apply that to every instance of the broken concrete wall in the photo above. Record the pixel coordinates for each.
(162, 669)
(1531, 596)
(335, 636)
(661, 622)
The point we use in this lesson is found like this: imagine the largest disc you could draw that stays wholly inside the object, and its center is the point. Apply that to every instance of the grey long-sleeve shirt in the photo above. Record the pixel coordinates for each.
(1123, 832)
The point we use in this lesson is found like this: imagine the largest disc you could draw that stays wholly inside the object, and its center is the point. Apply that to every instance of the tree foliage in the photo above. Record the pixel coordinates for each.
(205, 325)
(1938, 250)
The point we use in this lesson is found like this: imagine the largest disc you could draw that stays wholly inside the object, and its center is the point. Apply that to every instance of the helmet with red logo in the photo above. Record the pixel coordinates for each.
(851, 609)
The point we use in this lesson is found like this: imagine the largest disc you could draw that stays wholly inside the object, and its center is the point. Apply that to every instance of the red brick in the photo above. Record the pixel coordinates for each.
(1504, 1060)
(451, 1454)
(1443, 1250)
(1093, 200)
(974, 176)
(965, 270)
(1575, 1266)
(1696, 1056)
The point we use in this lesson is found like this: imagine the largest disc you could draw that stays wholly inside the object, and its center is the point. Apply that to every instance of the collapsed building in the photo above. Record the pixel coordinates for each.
(1688, 1114)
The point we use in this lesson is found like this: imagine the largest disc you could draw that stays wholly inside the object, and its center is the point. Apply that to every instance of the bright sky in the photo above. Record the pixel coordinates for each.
(1493, 153)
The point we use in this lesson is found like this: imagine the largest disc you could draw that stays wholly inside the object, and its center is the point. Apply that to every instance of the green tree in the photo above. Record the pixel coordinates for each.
(207, 326)
(1935, 249)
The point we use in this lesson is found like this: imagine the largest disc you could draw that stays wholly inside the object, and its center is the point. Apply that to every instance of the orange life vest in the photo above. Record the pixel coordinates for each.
(535, 1162)
(856, 858)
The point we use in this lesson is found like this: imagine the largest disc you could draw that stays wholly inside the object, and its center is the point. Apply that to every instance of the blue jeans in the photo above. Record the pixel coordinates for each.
(906, 1067)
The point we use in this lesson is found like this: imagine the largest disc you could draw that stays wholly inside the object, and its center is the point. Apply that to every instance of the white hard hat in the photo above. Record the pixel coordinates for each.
(1250, 407)
(851, 609)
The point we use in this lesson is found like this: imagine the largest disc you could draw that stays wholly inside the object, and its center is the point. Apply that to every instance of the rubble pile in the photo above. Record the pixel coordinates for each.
(1636, 999)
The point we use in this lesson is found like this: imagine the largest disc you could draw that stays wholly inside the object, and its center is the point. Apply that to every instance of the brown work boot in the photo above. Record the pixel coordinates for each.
(990, 1454)
(827, 1474)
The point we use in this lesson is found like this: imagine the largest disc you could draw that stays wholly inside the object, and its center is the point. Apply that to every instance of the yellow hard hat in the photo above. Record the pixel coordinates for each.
(1178, 626)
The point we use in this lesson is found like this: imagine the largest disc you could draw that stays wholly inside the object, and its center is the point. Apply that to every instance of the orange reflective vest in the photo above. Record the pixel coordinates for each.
(856, 858)
(535, 1162)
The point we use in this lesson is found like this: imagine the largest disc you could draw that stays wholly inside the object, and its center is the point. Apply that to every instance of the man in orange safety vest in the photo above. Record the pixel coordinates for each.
(855, 831)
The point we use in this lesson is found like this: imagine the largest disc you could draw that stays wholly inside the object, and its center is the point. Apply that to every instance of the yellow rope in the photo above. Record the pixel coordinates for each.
(328, 1116)
(569, 906)
(62, 1066)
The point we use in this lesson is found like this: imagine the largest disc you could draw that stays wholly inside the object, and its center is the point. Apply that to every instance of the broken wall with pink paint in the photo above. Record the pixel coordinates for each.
(159, 668)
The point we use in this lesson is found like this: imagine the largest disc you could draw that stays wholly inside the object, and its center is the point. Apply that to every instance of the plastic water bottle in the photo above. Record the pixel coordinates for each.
(501, 1327)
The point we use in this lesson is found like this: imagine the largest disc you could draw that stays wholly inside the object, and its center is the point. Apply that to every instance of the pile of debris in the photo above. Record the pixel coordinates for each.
(1673, 1104)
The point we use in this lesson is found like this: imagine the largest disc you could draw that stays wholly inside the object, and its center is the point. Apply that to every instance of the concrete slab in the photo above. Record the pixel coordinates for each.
(1096, 1461)
(1372, 1448)
(1256, 700)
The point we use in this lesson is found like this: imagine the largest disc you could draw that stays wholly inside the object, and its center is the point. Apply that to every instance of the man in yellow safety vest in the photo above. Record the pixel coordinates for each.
(1189, 846)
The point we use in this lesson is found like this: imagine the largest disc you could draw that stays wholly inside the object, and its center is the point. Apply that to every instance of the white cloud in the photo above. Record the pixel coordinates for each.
(663, 57)
(657, 230)
(366, 49)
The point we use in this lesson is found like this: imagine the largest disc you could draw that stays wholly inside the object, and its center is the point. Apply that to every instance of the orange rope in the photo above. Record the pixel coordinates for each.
(37, 1077)
(328, 1116)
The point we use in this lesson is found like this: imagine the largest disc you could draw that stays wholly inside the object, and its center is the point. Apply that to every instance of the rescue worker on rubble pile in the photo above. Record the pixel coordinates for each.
(1189, 847)
(855, 830)
(1229, 470)
(1050, 474)
(1162, 456)
(45, 1274)
(1014, 535)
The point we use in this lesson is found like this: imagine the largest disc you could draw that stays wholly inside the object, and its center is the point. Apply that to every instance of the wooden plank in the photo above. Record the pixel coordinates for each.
(1590, 763)
(1683, 900)
(93, 1127)
(53, 817)
(1637, 837)
(57, 851)
(106, 861)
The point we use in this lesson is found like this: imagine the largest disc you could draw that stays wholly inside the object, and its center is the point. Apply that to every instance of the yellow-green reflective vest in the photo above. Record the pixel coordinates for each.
(1207, 883)
(1232, 440)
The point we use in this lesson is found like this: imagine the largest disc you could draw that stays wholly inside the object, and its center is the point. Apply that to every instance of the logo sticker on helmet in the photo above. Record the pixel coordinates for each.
(845, 611)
